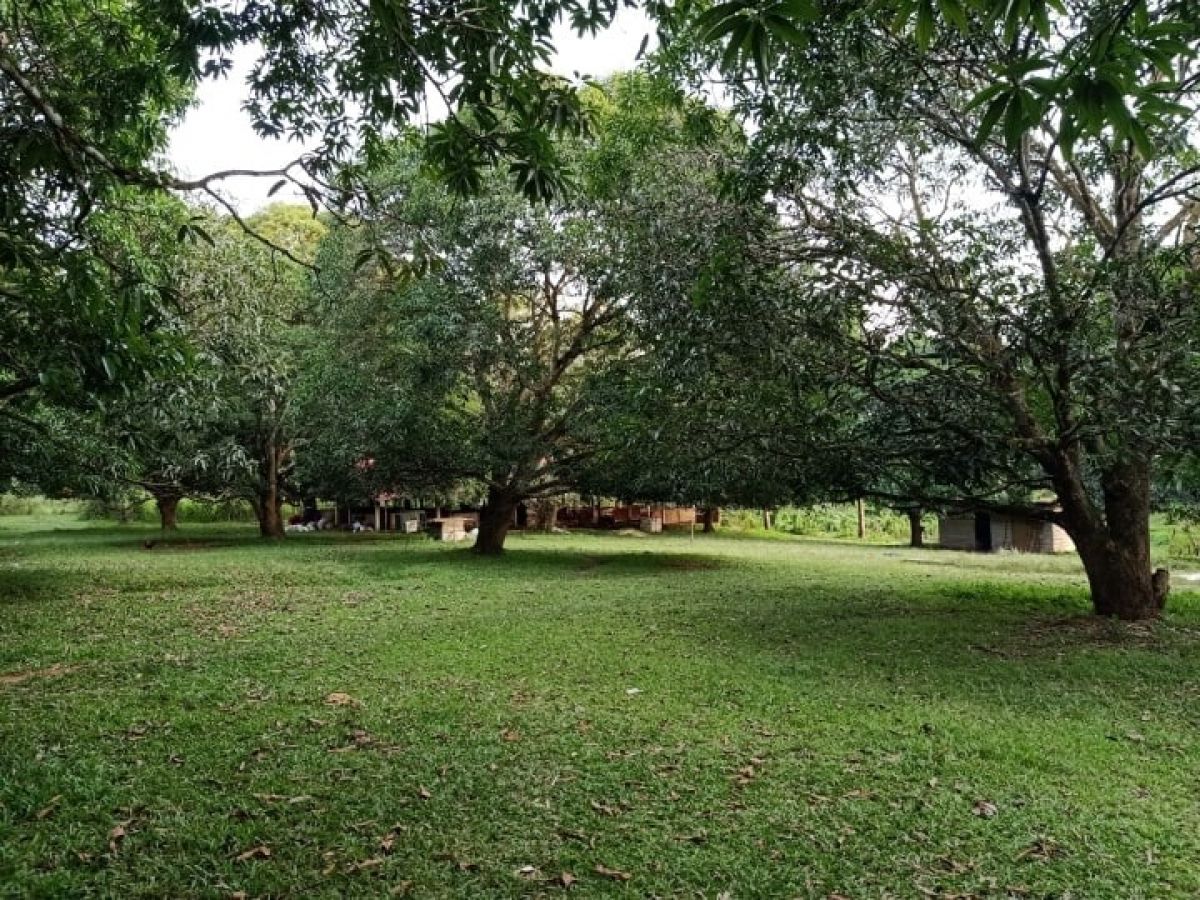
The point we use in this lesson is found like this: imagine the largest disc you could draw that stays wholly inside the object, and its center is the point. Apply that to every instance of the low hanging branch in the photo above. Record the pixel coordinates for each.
(76, 145)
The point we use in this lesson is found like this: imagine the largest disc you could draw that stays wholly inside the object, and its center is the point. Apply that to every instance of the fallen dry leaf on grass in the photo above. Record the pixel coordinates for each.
(745, 775)
(116, 836)
(49, 808)
(614, 874)
(366, 864)
(388, 841)
(49, 672)
(262, 851)
(1042, 849)
(337, 698)
(529, 873)
(985, 809)
(510, 735)
(566, 879)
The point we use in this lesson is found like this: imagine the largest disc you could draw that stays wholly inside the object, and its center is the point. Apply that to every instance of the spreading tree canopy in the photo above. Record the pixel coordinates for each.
(89, 91)
(482, 347)
(994, 207)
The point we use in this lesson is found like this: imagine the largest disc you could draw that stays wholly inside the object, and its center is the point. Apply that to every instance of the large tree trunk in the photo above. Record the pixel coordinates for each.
(268, 505)
(168, 511)
(268, 508)
(1115, 548)
(494, 520)
(706, 517)
(916, 528)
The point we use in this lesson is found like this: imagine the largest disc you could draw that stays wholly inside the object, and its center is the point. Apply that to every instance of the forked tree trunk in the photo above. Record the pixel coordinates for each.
(168, 511)
(1115, 548)
(495, 519)
(916, 527)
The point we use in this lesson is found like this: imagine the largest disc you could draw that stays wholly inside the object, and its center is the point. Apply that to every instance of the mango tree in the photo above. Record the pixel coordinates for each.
(994, 205)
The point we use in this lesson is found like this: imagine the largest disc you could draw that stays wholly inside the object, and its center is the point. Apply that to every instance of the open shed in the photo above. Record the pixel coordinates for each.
(985, 532)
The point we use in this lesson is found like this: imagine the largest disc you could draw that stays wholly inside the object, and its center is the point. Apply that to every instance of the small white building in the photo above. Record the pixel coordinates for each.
(985, 532)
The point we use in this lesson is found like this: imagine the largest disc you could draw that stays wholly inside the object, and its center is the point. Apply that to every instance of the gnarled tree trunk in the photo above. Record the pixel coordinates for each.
(1115, 546)
(495, 519)
(168, 511)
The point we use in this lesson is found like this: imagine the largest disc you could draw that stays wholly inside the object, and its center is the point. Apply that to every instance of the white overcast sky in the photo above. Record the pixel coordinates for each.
(216, 134)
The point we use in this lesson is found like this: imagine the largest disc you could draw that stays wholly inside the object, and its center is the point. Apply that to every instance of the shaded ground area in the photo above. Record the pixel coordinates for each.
(340, 716)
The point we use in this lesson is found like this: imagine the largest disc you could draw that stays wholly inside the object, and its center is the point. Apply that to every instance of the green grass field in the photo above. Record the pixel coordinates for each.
(374, 716)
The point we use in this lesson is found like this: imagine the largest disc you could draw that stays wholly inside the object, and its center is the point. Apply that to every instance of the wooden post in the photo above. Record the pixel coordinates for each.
(862, 519)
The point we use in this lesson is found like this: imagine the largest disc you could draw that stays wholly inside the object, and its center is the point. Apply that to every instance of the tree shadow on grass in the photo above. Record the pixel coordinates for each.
(23, 585)
(975, 642)
(551, 563)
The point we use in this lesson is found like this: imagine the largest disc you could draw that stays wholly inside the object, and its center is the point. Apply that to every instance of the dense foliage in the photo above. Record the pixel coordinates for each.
(998, 272)
(485, 350)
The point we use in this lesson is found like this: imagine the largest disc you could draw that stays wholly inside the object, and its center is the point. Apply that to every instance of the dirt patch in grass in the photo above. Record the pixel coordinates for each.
(1090, 630)
(54, 671)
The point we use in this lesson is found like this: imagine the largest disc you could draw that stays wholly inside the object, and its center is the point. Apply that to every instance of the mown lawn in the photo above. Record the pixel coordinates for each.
(373, 716)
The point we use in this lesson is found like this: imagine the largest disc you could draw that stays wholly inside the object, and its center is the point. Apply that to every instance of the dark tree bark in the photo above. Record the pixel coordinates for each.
(168, 510)
(916, 528)
(270, 516)
(1115, 545)
(495, 519)
(268, 501)
(548, 510)
(706, 516)
(268, 509)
